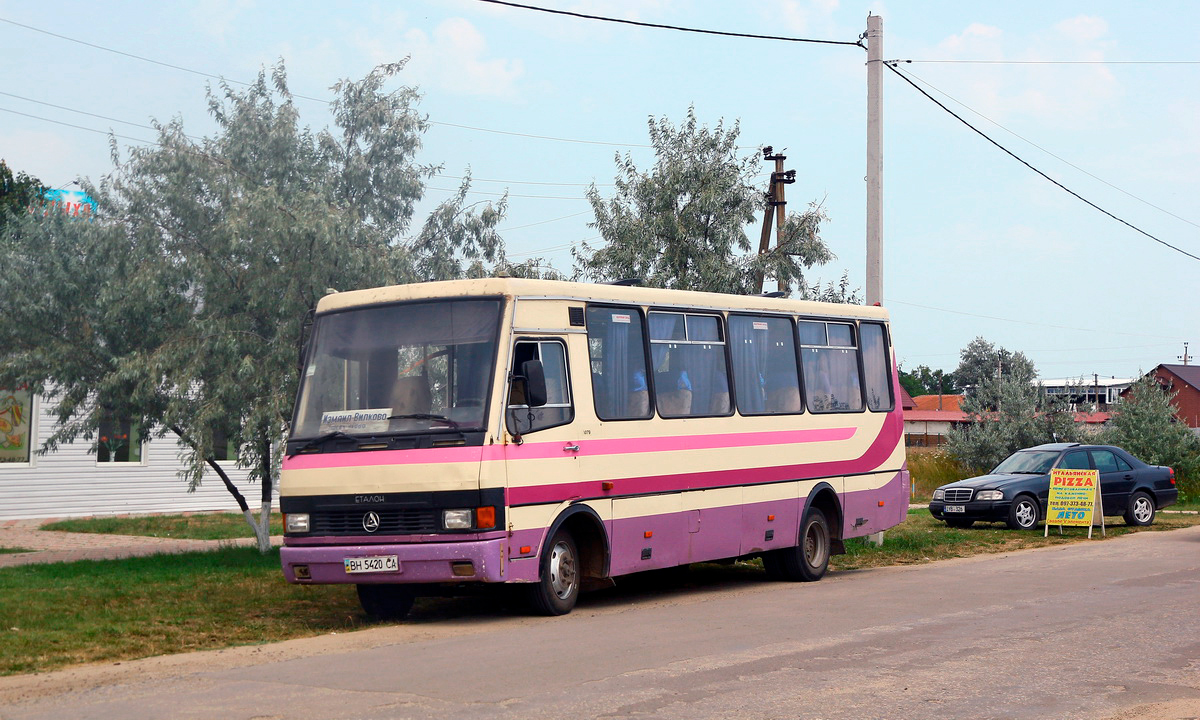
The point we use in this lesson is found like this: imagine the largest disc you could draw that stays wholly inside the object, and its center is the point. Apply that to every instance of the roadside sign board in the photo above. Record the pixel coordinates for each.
(1073, 498)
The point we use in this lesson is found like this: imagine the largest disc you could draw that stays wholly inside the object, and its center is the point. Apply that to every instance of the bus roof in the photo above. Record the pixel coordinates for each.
(589, 292)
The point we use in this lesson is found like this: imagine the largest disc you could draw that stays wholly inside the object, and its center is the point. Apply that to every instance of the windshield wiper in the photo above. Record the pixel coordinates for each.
(425, 416)
(321, 439)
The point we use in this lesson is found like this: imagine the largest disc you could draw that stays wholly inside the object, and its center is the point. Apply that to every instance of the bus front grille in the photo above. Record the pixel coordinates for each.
(415, 521)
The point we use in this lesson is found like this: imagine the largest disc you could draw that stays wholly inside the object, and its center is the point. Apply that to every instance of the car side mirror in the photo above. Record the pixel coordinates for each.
(535, 383)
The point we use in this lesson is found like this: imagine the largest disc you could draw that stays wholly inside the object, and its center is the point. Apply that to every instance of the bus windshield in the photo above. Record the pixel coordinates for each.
(404, 368)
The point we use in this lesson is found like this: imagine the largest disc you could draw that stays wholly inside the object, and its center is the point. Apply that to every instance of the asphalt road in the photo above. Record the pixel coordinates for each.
(1102, 629)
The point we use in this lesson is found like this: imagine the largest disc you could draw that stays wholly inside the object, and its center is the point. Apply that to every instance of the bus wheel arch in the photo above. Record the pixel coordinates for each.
(824, 498)
(575, 551)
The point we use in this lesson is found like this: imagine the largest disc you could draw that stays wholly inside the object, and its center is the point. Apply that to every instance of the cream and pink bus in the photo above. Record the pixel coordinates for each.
(557, 435)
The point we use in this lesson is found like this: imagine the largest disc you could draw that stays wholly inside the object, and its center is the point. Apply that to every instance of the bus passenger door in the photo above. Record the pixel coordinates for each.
(542, 445)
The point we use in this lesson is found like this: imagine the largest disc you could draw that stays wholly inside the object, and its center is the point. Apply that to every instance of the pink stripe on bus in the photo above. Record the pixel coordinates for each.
(544, 450)
(871, 460)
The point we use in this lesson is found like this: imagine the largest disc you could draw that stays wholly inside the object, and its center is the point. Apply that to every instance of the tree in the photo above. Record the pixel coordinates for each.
(1006, 409)
(925, 381)
(17, 193)
(682, 224)
(981, 361)
(1144, 423)
(183, 306)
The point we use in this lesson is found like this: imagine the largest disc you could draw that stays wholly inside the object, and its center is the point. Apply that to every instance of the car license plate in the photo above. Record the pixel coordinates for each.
(955, 508)
(375, 563)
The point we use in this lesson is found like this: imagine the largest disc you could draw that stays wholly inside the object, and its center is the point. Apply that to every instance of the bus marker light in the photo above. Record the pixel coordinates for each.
(770, 518)
(648, 534)
(485, 517)
(880, 503)
(525, 549)
(606, 485)
(462, 569)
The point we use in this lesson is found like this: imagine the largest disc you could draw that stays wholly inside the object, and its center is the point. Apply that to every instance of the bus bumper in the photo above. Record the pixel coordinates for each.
(448, 562)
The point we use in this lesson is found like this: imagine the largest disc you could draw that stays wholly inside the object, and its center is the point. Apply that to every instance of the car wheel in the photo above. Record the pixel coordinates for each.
(1140, 511)
(557, 588)
(1023, 515)
(961, 524)
(385, 602)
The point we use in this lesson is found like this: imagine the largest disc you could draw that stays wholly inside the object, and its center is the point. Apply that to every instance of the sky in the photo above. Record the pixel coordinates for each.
(1101, 96)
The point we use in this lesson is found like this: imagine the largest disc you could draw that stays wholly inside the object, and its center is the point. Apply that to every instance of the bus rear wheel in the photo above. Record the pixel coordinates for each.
(808, 561)
(385, 602)
(557, 587)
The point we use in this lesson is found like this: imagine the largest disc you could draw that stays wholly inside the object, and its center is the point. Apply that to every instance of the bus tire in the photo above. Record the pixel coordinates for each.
(557, 587)
(808, 561)
(385, 602)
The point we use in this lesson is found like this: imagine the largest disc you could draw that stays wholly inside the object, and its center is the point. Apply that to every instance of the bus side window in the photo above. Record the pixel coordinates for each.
(558, 409)
(877, 370)
(620, 389)
(829, 360)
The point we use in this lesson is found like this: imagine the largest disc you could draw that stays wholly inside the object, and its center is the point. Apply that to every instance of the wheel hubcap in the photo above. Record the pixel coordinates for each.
(815, 544)
(562, 571)
(1025, 514)
(1141, 510)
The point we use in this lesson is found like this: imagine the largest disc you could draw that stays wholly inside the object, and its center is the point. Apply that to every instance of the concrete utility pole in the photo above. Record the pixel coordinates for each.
(874, 160)
(775, 205)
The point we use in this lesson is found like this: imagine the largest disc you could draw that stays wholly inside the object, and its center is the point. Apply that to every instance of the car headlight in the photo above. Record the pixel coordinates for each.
(458, 519)
(939, 494)
(295, 522)
(989, 495)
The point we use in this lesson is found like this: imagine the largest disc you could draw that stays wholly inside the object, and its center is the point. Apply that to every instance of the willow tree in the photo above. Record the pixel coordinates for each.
(683, 223)
(182, 307)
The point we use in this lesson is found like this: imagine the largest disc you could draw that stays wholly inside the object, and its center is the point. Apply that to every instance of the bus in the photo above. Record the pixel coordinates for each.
(557, 435)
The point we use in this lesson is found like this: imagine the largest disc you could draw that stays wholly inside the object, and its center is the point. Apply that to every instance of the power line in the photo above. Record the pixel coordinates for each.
(658, 26)
(524, 182)
(1014, 156)
(544, 222)
(222, 78)
(1056, 157)
(1106, 331)
(79, 127)
(89, 114)
(1057, 62)
(499, 194)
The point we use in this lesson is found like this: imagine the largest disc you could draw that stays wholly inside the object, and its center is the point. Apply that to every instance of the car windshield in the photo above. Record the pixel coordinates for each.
(1027, 462)
(405, 368)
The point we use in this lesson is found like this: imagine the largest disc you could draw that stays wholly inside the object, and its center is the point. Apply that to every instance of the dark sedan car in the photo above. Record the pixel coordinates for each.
(1016, 491)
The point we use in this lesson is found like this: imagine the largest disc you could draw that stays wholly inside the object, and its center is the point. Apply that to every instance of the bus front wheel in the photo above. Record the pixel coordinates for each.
(809, 560)
(557, 587)
(385, 602)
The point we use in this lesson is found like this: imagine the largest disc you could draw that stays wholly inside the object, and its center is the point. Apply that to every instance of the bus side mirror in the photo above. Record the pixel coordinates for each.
(535, 383)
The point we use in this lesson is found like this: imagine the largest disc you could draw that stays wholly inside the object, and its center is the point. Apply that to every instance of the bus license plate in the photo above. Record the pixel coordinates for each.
(376, 563)
(952, 508)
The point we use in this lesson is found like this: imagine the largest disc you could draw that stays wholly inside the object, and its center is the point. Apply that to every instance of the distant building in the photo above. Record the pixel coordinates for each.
(1088, 394)
(1184, 381)
(930, 420)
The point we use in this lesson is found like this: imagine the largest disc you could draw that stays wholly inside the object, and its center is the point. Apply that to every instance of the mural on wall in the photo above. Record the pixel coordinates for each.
(15, 412)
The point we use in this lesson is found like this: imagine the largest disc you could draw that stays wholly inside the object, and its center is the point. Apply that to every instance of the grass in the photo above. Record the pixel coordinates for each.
(9, 550)
(62, 614)
(56, 615)
(922, 539)
(931, 468)
(200, 526)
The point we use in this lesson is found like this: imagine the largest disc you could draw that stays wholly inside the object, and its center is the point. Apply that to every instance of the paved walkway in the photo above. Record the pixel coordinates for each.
(50, 546)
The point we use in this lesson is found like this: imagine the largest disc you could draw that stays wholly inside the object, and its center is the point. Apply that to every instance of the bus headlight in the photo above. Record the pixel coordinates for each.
(989, 495)
(295, 522)
(458, 519)
(939, 494)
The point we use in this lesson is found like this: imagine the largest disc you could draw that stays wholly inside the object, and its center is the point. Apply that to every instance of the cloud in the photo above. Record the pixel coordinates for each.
(217, 17)
(1054, 95)
(806, 17)
(452, 58)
